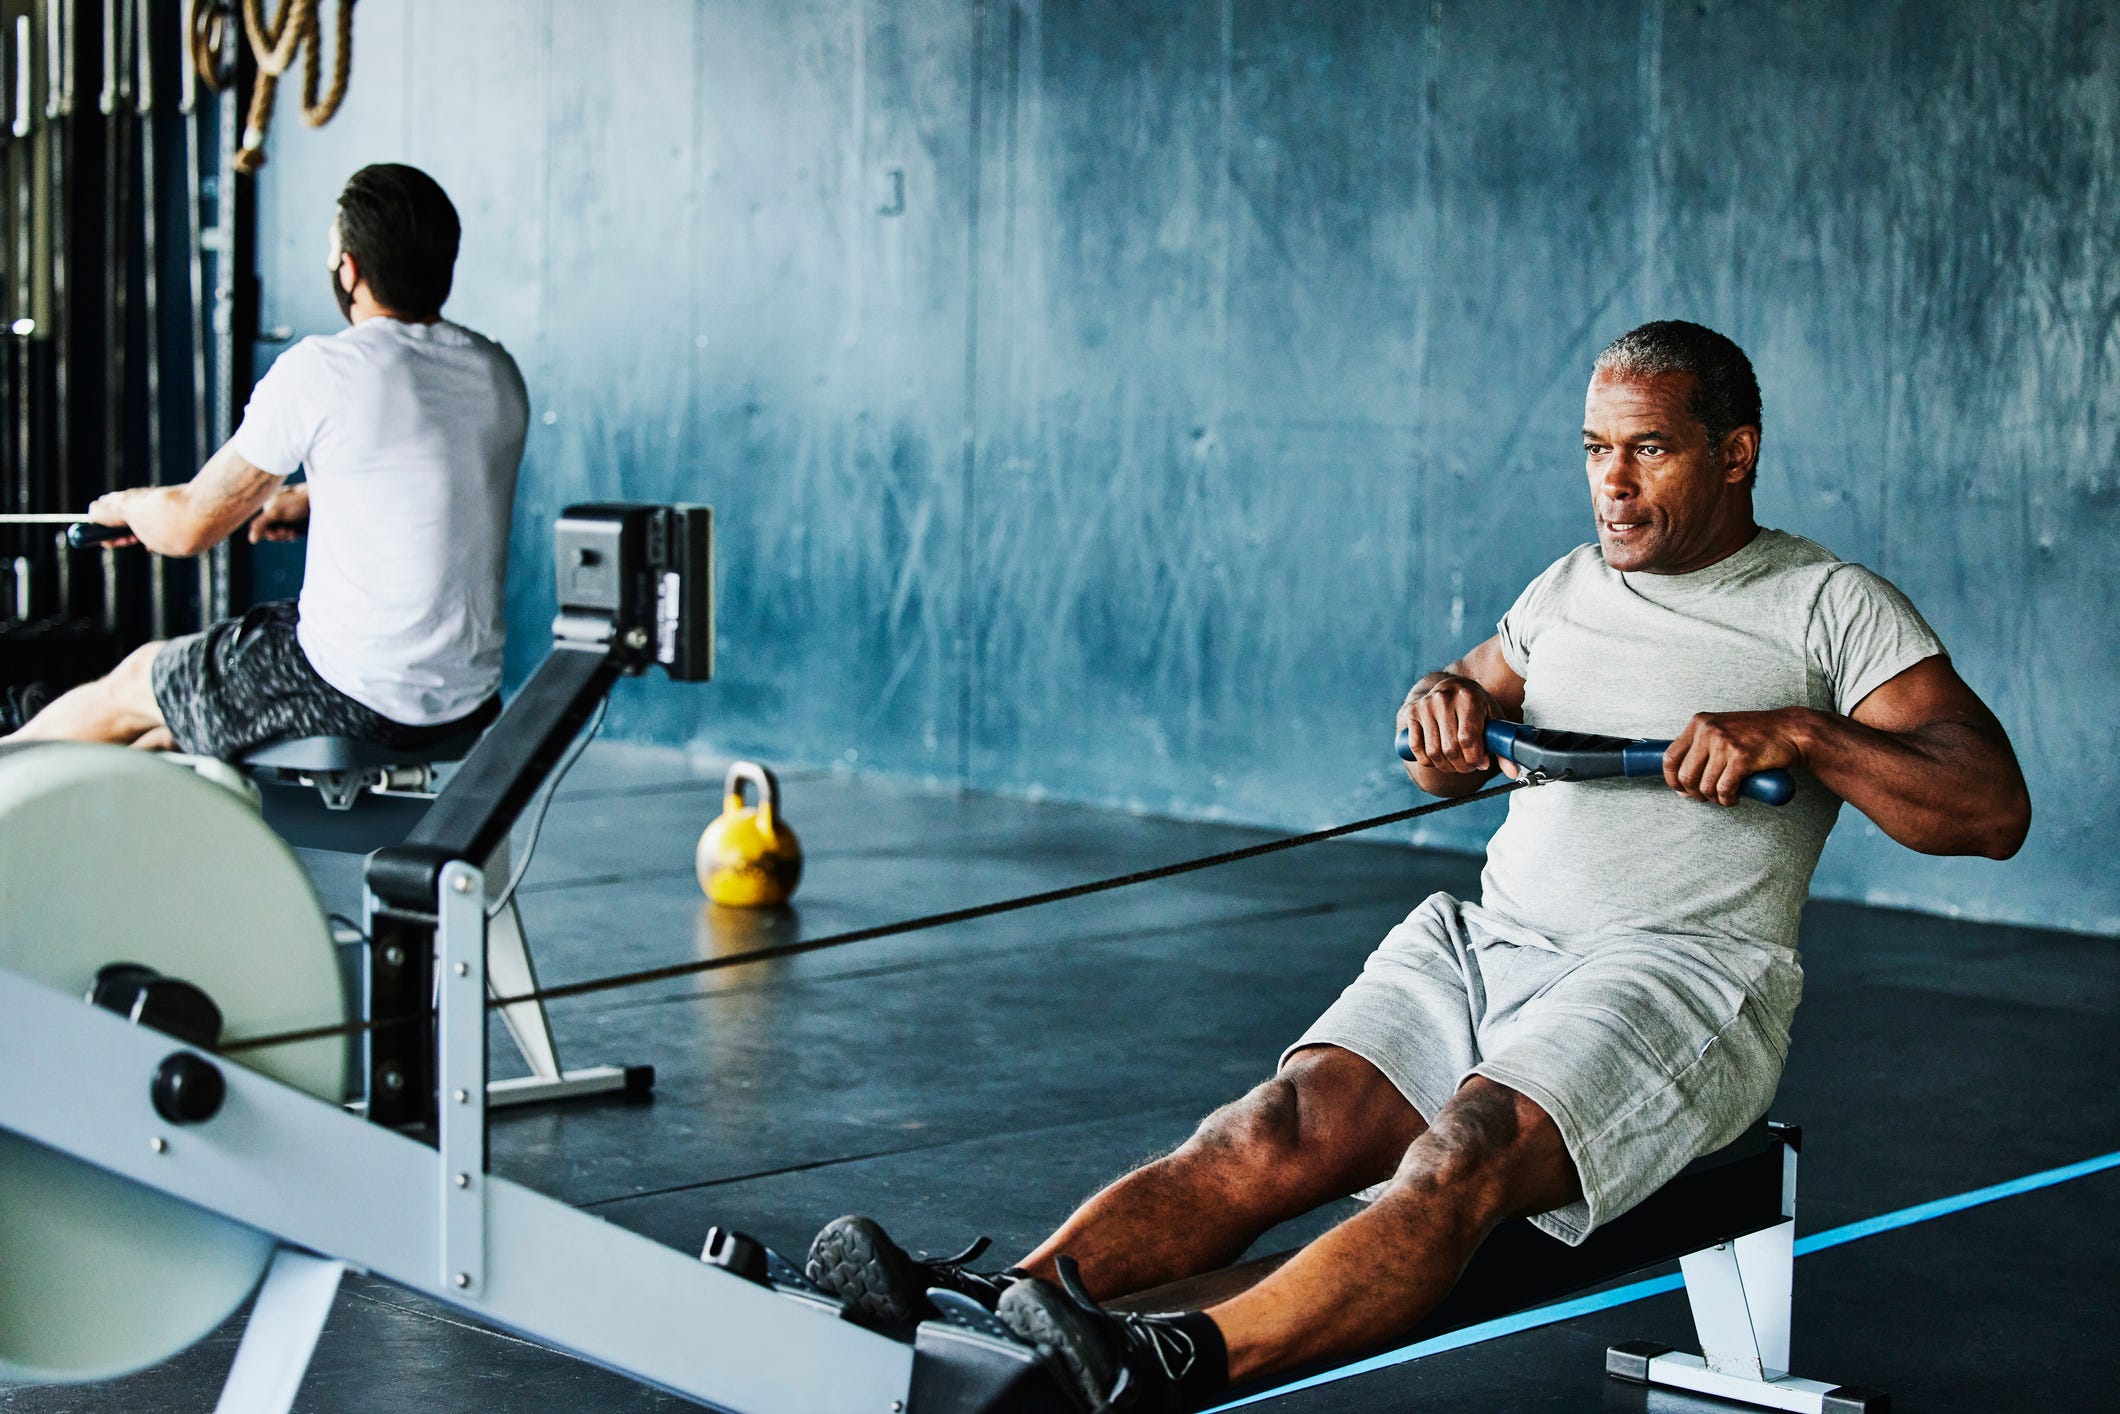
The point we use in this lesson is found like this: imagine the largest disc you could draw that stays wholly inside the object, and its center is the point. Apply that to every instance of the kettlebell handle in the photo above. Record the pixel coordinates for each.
(742, 773)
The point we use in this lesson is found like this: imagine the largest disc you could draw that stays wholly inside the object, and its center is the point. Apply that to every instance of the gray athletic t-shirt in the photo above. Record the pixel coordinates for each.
(1782, 622)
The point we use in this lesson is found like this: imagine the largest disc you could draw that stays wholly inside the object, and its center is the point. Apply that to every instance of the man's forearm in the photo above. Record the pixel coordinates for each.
(1950, 787)
(165, 521)
(193, 517)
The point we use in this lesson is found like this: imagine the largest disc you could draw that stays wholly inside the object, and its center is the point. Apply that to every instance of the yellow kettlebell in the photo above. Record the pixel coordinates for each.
(749, 858)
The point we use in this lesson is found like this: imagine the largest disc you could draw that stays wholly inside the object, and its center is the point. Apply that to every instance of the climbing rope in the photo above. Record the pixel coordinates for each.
(909, 925)
(293, 29)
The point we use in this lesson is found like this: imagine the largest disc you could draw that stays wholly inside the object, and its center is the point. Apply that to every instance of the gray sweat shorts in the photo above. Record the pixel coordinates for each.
(1647, 1052)
(245, 682)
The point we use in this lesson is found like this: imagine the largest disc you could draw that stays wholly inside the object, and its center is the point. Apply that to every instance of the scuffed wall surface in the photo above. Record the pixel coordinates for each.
(1124, 402)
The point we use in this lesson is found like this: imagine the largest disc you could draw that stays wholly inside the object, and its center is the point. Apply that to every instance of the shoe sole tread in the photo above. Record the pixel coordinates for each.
(1049, 1321)
(857, 1264)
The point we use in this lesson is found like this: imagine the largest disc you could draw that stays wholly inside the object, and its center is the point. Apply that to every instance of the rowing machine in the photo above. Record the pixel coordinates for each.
(153, 1178)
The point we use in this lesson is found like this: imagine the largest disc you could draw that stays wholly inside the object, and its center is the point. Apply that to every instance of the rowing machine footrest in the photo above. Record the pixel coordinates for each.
(747, 1257)
(967, 1362)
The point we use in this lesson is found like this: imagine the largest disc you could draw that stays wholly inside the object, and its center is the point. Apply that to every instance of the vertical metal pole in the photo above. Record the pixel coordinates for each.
(24, 323)
(201, 419)
(14, 472)
(232, 259)
(117, 247)
(151, 293)
(58, 111)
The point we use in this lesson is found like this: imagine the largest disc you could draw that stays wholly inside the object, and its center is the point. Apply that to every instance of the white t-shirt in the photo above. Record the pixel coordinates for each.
(412, 434)
(1782, 622)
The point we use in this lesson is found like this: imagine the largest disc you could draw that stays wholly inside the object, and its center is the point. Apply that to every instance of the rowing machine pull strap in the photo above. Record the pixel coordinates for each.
(1553, 755)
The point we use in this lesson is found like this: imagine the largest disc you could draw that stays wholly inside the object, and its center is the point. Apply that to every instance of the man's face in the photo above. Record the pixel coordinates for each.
(1663, 498)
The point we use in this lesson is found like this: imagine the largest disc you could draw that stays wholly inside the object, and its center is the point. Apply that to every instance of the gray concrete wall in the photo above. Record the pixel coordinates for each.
(1219, 369)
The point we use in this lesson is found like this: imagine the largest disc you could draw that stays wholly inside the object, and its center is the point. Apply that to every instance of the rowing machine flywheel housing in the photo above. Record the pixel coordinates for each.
(109, 855)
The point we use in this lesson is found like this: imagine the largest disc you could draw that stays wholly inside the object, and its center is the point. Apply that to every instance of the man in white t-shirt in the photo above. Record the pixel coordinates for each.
(411, 431)
(1618, 1000)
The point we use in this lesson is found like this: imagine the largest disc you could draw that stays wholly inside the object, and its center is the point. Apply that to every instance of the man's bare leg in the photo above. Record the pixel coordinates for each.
(1329, 1124)
(1492, 1155)
(118, 707)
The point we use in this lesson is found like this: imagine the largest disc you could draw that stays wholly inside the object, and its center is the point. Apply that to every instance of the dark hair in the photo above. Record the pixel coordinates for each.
(399, 227)
(1725, 392)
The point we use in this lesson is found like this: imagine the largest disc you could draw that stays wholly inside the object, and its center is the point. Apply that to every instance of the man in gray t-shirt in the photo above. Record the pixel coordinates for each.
(1618, 1002)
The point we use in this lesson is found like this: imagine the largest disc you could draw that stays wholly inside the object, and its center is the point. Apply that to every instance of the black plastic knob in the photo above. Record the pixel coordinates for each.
(188, 1088)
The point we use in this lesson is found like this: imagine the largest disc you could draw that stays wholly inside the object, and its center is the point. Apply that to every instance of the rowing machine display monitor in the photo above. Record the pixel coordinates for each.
(639, 578)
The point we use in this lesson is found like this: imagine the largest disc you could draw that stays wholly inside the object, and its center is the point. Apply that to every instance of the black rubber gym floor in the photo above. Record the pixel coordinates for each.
(983, 1078)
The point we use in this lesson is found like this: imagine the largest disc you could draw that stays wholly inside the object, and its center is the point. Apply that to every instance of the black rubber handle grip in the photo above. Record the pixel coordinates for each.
(83, 534)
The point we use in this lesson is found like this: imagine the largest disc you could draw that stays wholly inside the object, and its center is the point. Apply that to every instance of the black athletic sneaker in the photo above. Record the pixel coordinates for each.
(1164, 1364)
(854, 1260)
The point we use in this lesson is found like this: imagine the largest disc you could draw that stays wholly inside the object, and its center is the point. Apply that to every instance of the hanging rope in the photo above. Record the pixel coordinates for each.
(292, 30)
(208, 29)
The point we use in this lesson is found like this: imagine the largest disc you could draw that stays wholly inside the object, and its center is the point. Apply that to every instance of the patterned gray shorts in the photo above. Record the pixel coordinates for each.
(244, 682)
(1647, 1052)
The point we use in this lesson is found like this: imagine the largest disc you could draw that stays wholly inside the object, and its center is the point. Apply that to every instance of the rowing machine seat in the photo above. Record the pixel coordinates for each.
(316, 755)
(312, 783)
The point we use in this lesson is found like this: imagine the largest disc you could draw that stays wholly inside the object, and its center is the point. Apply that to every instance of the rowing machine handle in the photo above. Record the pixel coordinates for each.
(1581, 756)
(83, 534)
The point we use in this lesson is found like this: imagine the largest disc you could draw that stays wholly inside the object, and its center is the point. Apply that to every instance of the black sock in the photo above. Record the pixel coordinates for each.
(1208, 1375)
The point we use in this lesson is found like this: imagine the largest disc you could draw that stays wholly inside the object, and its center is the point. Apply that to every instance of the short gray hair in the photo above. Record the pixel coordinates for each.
(1725, 392)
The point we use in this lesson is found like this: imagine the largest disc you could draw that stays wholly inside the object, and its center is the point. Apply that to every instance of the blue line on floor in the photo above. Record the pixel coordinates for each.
(1657, 1286)
(1922, 1212)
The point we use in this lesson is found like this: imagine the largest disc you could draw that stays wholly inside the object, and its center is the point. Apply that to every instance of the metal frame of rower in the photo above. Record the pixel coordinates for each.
(623, 576)
(405, 1192)
(345, 796)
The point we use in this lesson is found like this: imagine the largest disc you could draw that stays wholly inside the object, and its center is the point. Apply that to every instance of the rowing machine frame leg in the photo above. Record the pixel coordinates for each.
(281, 1335)
(510, 972)
(1741, 1293)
